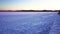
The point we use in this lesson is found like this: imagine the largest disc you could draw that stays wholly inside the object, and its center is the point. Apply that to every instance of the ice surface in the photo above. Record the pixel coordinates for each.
(30, 24)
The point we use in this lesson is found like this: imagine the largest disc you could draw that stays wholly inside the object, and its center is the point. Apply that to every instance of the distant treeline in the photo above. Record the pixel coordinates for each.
(29, 10)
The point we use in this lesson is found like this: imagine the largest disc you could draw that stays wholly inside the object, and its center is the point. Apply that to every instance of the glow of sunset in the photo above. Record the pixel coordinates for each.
(29, 4)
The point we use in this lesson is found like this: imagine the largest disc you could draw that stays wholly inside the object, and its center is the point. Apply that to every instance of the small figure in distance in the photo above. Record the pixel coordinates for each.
(58, 12)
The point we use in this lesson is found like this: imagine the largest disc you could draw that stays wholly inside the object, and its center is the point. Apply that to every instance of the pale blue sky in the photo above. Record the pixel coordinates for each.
(29, 4)
(13, 2)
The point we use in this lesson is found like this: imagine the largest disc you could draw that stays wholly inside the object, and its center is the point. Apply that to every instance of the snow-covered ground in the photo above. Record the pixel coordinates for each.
(30, 23)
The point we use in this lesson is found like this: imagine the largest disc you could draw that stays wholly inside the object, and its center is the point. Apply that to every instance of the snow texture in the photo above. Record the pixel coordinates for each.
(44, 23)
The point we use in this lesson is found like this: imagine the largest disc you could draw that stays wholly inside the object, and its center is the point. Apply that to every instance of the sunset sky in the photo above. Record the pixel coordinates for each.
(29, 4)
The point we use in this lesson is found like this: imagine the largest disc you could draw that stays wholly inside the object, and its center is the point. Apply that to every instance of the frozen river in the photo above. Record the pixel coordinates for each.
(30, 23)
